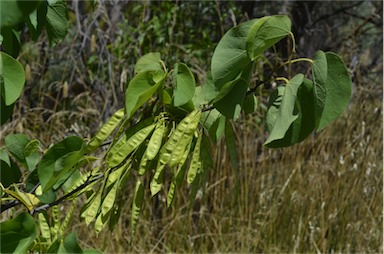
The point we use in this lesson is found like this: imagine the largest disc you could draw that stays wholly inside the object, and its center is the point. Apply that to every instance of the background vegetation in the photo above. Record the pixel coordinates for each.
(323, 195)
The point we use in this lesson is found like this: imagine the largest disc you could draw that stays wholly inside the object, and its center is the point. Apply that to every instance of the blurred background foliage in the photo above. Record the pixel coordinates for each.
(323, 195)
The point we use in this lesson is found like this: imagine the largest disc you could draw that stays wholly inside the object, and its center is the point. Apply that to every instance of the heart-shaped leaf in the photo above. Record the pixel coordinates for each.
(333, 87)
(266, 32)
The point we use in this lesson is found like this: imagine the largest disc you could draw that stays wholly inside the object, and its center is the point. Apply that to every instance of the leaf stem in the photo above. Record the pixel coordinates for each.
(298, 60)
(282, 79)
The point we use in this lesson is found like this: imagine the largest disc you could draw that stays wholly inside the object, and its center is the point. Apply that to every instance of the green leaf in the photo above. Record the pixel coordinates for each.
(216, 129)
(250, 104)
(302, 127)
(12, 78)
(185, 85)
(11, 41)
(138, 199)
(25, 151)
(15, 144)
(333, 87)
(59, 161)
(56, 22)
(17, 234)
(36, 20)
(31, 154)
(230, 56)
(205, 93)
(286, 114)
(69, 245)
(266, 32)
(230, 104)
(48, 197)
(139, 90)
(13, 12)
(9, 172)
(148, 62)
(273, 107)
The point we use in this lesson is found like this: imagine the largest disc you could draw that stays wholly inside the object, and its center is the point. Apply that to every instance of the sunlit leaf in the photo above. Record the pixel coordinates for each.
(266, 32)
(12, 78)
(148, 62)
(139, 90)
(185, 85)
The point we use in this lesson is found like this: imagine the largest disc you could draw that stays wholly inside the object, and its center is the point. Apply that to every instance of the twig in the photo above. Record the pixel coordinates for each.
(46, 206)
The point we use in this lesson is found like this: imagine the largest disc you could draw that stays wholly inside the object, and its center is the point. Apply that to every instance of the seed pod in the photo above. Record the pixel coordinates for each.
(105, 130)
(155, 141)
(124, 147)
(138, 199)
(182, 136)
(173, 150)
(196, 161)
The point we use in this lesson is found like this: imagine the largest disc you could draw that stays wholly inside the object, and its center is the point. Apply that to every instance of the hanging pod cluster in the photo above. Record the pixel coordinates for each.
(163, 145)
